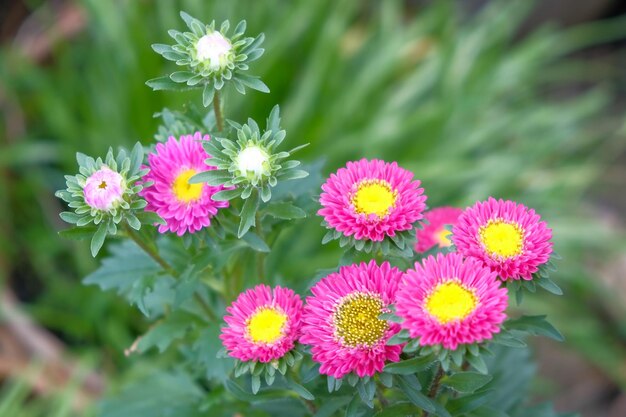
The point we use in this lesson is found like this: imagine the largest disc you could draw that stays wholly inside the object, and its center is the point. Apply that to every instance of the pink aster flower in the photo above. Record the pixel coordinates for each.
(184, 207)
(341, 320)
(104, 189)
(435, 233)
(263, 324)
(371, 199)
(507, 237)
(449, 301)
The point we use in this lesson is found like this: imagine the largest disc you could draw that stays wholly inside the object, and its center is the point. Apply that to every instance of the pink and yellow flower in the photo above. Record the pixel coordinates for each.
(371, 200)
(450, 301)
(435, 232)
(186, 208)
(507, 237)
(341, 320)
(263, 324)
(104, 189)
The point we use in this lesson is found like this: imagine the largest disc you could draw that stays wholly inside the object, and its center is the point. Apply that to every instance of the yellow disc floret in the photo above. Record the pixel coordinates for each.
(356, 320)
(502, 239)
(184, 191)
(266, 325)
(443, 238)
(374, 197)
(451, 301)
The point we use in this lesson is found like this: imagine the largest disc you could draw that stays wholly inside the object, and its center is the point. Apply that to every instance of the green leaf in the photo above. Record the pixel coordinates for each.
(410, 366)
(285, 211)
(78, 233)
(466, 382)
(207, 95)
(181, 76)
(212, 177)
(226, 195)
(292, 174)
(165, 83)
(353, 407)
(136, 158)
(98, 238)
(255, 383)
(549, 285)
(300, 390)
(253, 82)
(411, 388)
(478, 363)
(537, 325)
(149, 218)
(173, 327)
(69, 217)
(248, 212)
(468, 403)
(133, 221)
(255, 242)
(157, 394)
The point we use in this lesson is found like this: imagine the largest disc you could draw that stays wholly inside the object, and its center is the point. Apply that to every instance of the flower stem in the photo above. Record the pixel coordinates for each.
(217, 108)
(384, 403)
(260, 266)
(434, 387)
(150, 251)
(166, 267)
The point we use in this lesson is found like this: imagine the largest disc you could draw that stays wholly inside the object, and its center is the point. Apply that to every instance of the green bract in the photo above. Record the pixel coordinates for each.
(127, 207)
(400, 245)
(211, 57)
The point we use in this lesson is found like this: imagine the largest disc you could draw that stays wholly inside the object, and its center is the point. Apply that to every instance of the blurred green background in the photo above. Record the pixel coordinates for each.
(478, 98)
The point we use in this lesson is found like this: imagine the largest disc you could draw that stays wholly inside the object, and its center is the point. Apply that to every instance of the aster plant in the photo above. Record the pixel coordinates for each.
(414, 318)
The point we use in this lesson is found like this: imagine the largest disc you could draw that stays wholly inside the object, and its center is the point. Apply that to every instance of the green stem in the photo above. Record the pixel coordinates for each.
(205, 307)
(150, 251)
(217, 108)
(260, 264)
(434, 387)
(166, 267)
(384, 403)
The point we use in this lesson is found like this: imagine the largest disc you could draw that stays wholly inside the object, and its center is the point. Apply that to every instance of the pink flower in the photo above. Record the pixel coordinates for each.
(104, 189)
(371, 200)
(449, 301)
(435, 233)
(262, 324)
(507, 237)
(184, 207)
(341, 320)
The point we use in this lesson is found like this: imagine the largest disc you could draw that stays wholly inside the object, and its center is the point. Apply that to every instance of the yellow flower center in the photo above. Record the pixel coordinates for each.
(501, 239)
(374, 197)
(184, 191)
(266, 325)
(443, 238)
(356, 320)
(451, 301)
(103, 185)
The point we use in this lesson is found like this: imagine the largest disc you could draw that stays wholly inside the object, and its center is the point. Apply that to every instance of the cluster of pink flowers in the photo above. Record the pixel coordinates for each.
(448, 300)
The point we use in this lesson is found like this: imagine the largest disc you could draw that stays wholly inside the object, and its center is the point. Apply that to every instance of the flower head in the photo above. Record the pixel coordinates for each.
(341, 320)
(449, 301)
(252, 161)
(104, 189)
(185, 207)
(262, 324)
(212, 57)
(507, 237)
(435, 232)
(371, 201)
(214, 51)
(105, 193)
